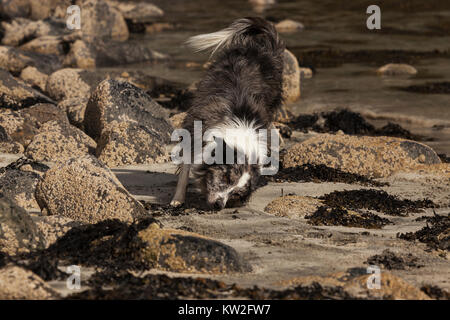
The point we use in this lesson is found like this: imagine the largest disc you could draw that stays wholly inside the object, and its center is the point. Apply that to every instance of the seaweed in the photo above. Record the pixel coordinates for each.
(341, 217)
(377, 200)
(435, 292)
(429, 88)
(392, 261)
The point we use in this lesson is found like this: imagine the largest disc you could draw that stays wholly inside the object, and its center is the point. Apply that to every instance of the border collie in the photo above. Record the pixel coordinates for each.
(241, 90)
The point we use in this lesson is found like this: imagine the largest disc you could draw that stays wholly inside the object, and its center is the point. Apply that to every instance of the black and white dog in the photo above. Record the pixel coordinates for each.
(242, 90)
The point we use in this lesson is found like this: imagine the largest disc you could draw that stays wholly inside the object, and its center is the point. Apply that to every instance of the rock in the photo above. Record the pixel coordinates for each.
(74, 108)
(14, 60)
(369, 156)
(57, 141)
(101, 21)
(123, 143)
(20, 127)
(291, 77)
(15, 94)
(45, 112)
(46, 45)
(67, 83)
(122, 102)
(7, 145)
(18, 181)
(181, 251)
(158, 27)
(42, 9)
(17, 283)
(396, 69)
(18, 233)
(289, 25)
(83, 189)
(111, 53)
(293, 206)
(54, 227)
(140, 12)
(306, 73)
(34, 78)
(178, 119)
(14, 8)
(20, 30)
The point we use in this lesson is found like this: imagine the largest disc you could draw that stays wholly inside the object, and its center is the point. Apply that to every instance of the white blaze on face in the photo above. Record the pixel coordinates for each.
(241, 183)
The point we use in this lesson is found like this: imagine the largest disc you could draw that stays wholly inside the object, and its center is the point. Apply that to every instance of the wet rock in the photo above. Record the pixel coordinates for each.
(291, 77)
(293, 206)
(34, 78)
(122, 102)
(15, 94)
(15, 60)
(110, 53)
(139, 12)
(368, 156)
(58, 141)
(129, 143)
(289, 25)
(17, 283)
(18, 181)
(18, 233)
(182, 251)
(396, 69)
(7, 145)
(83, 189)
(429, 88)
(102, 21)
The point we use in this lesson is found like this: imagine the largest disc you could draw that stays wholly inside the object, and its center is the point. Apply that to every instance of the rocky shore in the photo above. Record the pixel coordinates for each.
(86, 178)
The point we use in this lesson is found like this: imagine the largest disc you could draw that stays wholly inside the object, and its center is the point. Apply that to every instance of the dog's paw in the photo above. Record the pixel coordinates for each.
(176, 203)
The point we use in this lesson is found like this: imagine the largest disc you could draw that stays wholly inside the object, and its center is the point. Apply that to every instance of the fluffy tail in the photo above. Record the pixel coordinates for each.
(241, 33)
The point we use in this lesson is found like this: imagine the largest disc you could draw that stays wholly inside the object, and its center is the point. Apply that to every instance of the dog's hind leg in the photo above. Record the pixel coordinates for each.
(180, 192)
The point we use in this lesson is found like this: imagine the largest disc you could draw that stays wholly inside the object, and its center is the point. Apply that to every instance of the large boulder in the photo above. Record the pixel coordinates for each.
(83, 189)
(369, 156)
(68, 83)
(18, 181)
(123, 102)
(15, 94)
(17, 283)
(101, 21)
(123, 143)
(58, 141)
(291, 77)
(18, 232)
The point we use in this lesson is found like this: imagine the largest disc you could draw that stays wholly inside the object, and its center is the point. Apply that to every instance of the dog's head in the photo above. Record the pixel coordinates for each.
(227, 184)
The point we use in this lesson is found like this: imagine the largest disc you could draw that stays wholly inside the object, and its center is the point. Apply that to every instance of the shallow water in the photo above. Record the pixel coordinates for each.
(342, 51)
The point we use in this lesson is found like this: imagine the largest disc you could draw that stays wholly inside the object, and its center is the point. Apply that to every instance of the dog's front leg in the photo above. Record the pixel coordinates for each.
(180, 192)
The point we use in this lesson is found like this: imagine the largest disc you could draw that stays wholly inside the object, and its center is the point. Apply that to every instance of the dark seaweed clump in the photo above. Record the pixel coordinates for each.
(127, 286)
(351, 123)
(430, 88)
(377, 200)
(391, 261)
(435, 292)
(109, 244)
(320, 173)
(436, 236)
(325, 216)
(173, 98)
(444, 158)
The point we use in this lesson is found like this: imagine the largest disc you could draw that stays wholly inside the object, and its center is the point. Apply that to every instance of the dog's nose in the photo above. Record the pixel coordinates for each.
(219, 204)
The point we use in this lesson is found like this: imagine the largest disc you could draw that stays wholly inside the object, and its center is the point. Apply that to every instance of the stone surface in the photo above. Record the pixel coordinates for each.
(17, 283)
(368, 156)
(54, 227)
(18, 181)
(58, 142)
(14, 8)
(19, 126)
(83, 189)
(291, 77)
(45, 45)
(16, 95)
(80, 55)
(74, 108)
(34, 78)
(123, 143)
(102, 21)
(293, 206)
(18, 232)
(15, 60)
(67, 83)
(396, 69)
(20, 30)
(7, 145)
(42, 9)
(122, 102)
(289, 25)
(182, 251)
(45, 112)
(140, 12)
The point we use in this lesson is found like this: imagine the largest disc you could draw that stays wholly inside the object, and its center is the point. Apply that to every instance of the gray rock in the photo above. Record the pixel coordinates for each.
(83, 189)
(122, 102)
(18, 232)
